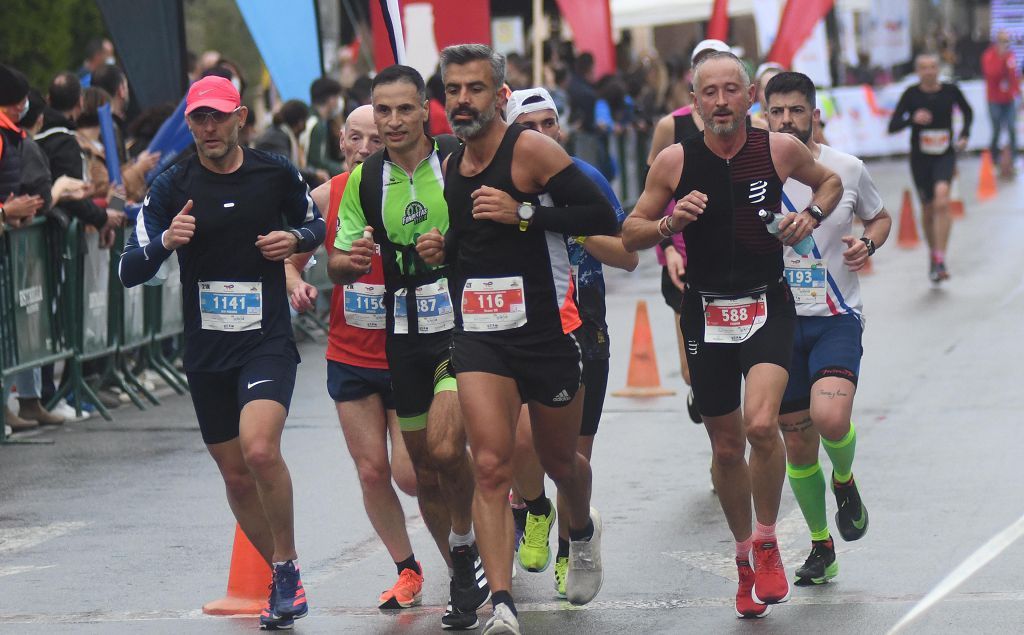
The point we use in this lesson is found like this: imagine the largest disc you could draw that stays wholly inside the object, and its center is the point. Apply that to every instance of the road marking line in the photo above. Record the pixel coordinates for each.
(792, 535)
(21, 538)
(982, 556)
(5, 571)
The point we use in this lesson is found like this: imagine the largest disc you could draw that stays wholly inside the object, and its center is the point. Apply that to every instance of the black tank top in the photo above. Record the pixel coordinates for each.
(487, 249)
(684, 126)
(728, 248)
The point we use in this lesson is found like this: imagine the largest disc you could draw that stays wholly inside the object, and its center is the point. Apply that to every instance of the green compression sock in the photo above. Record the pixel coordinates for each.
(841, 454)
(808, 485)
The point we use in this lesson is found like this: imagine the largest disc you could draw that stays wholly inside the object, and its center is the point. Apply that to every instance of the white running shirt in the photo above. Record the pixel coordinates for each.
(860, 197)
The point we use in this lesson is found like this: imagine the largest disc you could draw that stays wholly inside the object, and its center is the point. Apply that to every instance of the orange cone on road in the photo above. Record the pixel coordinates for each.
(908, 238)
(643, 379)
(248, 581)
(986, 178)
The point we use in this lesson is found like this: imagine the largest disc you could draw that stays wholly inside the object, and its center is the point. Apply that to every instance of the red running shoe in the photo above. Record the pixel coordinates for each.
(746, 607)
(770, 583)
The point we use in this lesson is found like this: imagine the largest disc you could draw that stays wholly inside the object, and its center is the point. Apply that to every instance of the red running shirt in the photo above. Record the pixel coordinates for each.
(350, 344)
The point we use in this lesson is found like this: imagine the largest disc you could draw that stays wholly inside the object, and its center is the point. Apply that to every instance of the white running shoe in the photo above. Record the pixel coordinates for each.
(503, 622)
(586, 574)
(62, 409)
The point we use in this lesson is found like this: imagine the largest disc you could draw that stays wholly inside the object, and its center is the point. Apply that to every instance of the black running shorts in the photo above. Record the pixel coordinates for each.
(670, 292)
(929, 170)
(419, 365)
(716, 370)
(595, 379)
(219, 397)
(548, 373)
(346, 382)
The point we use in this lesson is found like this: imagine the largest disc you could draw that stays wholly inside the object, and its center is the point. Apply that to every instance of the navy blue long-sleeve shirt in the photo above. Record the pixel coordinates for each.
(234, 301)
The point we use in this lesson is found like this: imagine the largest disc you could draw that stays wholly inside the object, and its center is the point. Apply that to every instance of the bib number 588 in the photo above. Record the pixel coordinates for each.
(739, 314)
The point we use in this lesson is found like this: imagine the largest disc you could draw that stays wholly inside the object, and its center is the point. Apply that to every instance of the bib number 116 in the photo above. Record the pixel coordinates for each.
(490, 301)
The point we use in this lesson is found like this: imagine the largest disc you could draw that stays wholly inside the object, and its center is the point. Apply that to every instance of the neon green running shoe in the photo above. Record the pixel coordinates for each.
(561, 570)
(534, 551)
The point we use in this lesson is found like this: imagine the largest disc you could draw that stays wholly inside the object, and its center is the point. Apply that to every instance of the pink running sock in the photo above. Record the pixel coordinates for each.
(743, 549)
(764, 532)
(938, 256)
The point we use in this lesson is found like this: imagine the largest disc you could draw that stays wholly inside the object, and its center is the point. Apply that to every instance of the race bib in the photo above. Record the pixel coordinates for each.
(733, 320)
(434, 311)
(934, 141)
(231, 306)
(364, 306)
(493, 304)
(807, 279)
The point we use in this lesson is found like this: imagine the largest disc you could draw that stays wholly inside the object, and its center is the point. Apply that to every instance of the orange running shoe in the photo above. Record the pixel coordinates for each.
(406, 591)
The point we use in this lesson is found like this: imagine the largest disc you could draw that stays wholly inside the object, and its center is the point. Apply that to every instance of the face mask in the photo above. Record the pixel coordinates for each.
(24, 111)
(338, 109)
(111, 61)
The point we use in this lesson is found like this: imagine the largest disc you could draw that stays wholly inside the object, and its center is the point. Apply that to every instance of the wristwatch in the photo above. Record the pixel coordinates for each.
(298, 235)
(870, 244)
(816, 214)
(525, 212)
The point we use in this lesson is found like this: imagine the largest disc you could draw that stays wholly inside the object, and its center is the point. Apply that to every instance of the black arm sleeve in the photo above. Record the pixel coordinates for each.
(581, 209)
(901, 117)
(86, 211)
(965, 110)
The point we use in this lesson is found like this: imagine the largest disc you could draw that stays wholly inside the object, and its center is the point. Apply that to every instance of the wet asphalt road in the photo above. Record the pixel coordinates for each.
(122, 527)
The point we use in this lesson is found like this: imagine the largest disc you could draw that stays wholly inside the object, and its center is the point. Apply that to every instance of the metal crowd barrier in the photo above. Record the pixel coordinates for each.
(163, 310)
(30, 325)
(61, 300)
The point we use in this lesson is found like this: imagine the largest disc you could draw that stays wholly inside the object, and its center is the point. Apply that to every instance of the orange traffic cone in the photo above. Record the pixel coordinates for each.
(908, 238)
(643, 379)
(986, 178)
(248, 581)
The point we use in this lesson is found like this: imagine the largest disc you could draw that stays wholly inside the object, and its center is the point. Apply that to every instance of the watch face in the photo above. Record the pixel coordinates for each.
(526, 212)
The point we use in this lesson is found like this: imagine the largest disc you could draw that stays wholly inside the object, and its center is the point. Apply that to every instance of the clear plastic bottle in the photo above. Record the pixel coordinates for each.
(804, 247)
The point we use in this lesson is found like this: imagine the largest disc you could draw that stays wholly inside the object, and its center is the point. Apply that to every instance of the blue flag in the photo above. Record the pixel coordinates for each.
(110, 144)
(172, 137)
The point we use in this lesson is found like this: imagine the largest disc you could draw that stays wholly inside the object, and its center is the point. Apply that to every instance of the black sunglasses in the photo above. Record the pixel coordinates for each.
(200, 117)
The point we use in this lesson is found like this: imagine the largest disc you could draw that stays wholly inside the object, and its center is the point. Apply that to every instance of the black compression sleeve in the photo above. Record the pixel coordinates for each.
(965, 110)
(581, 209)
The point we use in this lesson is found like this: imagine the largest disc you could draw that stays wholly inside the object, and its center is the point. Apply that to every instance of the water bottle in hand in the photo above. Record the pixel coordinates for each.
(803, 247)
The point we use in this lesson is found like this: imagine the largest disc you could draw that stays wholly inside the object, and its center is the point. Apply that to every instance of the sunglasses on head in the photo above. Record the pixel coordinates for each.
(200, 117)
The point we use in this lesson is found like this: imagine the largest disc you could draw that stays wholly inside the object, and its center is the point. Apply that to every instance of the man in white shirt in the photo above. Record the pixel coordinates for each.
(827, 345)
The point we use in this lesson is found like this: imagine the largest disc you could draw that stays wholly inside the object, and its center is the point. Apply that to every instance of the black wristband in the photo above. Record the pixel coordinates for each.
(666, 243)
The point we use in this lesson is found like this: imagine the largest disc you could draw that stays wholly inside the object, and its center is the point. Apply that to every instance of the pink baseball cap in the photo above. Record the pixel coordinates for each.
(213, 92)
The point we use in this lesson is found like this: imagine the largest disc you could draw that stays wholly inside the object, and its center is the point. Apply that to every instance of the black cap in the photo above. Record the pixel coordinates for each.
(13, 86)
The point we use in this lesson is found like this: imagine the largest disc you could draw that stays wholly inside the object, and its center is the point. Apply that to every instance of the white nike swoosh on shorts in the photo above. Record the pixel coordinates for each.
(257, 383)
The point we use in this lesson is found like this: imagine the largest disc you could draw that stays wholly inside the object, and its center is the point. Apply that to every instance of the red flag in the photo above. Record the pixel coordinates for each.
(455, 22)
(798, 20)
(718, 25)
(592, 30)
